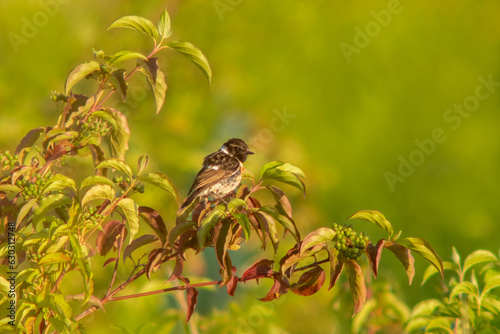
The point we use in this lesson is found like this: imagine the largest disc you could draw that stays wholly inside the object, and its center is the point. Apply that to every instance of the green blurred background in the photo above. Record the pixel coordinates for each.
(349, 120)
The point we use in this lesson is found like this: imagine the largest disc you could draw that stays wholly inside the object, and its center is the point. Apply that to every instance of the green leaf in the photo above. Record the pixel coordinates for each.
(455, 256)
(161, 181)
(268, 166)
(207, 224)
(10, 188)
(59, 182)
(286, 167)
(100, 191)
(477, 257)
(425, 308)
(159, 88)
(431, 270)
(164, 25)
(95, 180)
(118, 80)
(54, 258)
(116, 164)
(320, 236)
(357, 284)
(49, 203)
(61, 305)
(55, 246)
(129, 209)
(243, 220)
(142, 162)
(376, 218)
(194, 54)
(439, 323)
(424, 249)
(80, 72)
(25, 211)
(93, 300)
(136, 23)
(124, 56)
(464, 287)
(491, 283)
(237, 202)
(284, 172)
(120, 132)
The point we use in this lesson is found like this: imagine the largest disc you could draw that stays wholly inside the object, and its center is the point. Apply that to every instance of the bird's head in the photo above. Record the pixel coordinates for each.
(237, 148)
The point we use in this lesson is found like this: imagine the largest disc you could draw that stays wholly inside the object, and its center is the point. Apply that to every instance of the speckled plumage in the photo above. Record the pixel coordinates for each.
(221, 172)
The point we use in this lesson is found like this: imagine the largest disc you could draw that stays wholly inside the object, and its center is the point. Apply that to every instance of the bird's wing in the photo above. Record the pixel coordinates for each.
(216, 167)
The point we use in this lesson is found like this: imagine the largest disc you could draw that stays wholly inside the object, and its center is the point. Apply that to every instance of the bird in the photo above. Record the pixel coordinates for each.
(221, 172)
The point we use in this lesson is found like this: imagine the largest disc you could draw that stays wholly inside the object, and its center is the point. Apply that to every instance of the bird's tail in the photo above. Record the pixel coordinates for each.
(189, 200)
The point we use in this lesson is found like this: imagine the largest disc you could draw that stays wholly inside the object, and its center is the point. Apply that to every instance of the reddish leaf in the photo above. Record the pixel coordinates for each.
(106, 239)
(289, 260)
(268, 225)
(309, 282)
(404, 256)
(192, 298)
(154, 220)
(199, 211)
(30, 138)
(425, 250)
(110, 260)
(256, 227)
(187, 240)
(179, 266)
(374, 254)
(243, 192)
(253, 203)
(139, 242)
(281, 199)
(280, 287)
(151, 65)
(154, 261)
(357, 283)
(222, 238)
(336, 266)
(260, 269)
(42, 326)
(178, 230)
(55, 152)
(231, 285)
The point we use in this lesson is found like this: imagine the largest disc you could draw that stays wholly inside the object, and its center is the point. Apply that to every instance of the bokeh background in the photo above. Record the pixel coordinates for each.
(344, 90)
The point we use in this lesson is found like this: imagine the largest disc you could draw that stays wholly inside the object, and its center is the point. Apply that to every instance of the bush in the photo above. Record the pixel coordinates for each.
(54, 225)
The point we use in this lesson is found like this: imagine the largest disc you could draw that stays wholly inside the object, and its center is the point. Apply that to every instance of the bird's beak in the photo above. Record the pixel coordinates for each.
(249, 152)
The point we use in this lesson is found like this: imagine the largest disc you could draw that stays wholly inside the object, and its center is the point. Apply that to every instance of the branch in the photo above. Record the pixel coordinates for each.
(155, 292)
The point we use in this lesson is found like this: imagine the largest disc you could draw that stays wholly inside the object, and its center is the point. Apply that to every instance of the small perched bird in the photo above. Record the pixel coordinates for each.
(221, 172)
